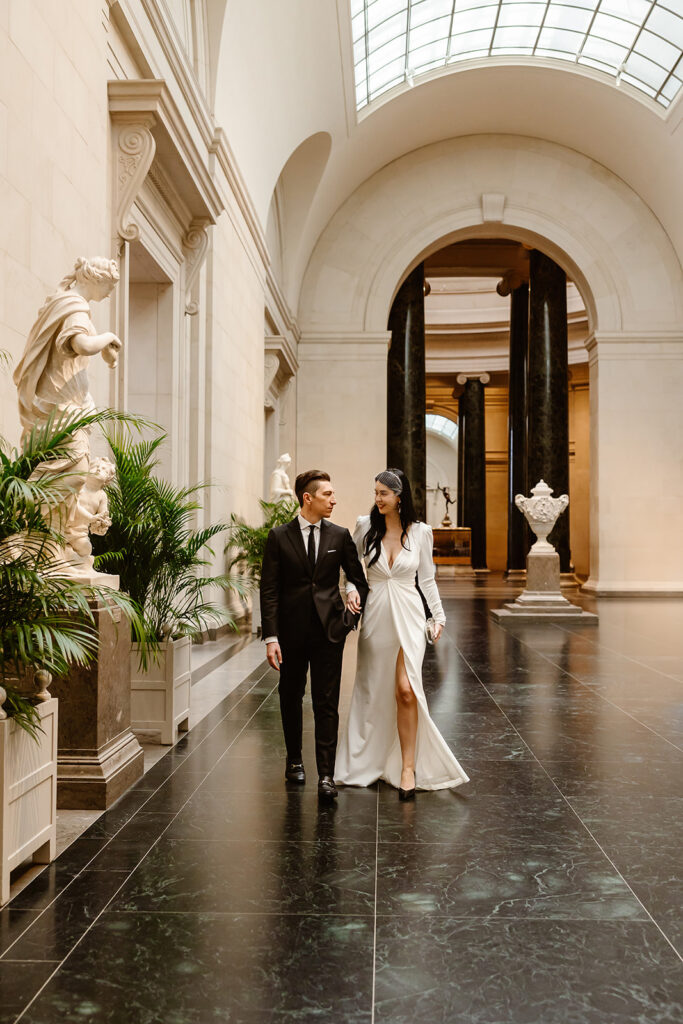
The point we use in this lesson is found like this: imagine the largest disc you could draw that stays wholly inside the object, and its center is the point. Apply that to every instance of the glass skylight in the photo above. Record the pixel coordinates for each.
(441, 425)
(639, 42)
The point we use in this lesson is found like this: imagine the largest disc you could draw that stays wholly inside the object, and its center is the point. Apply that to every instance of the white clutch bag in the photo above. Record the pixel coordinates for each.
(430, 630)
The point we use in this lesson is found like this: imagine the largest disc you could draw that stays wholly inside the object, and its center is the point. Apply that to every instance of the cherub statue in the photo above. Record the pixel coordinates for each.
(280, 486)
(51, 376)
(90, 515)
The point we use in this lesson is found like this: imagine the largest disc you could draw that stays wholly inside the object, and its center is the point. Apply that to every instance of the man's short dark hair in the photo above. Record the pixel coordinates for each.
(308, 482)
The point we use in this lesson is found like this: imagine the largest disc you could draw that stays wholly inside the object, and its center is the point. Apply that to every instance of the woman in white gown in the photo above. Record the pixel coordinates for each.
(389, 734)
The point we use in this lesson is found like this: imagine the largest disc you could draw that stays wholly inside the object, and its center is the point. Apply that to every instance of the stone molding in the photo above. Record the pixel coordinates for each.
(134, 148)
(280, 368)
(148, 103)
(195, 247)
(354, 347)
(364, 250)
(220, 149)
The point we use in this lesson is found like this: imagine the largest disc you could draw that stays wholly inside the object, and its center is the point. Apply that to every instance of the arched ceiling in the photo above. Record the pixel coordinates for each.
(286, 73)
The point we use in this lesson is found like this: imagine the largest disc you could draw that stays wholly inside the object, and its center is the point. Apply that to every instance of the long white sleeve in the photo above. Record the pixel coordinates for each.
(425, 573)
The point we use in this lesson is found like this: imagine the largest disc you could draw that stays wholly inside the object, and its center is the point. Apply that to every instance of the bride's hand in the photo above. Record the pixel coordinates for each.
(438, 630)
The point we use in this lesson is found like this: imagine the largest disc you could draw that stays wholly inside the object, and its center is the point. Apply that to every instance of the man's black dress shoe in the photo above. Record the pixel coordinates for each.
(326, 788)
(294, 772)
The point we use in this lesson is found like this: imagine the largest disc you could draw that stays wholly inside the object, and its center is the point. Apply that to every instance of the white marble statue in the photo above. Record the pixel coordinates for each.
(90, 514)
(51, 378)
(541, 512)
(280, 486)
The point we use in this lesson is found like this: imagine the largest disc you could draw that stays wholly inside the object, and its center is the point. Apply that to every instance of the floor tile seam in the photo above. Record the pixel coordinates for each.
(585, 826)
(612, 650)
(280, 842)
(116, 834)
(60, 963)
(240, 913)
(25, 960)
(502, 710)
(602, 697)
(374, 926)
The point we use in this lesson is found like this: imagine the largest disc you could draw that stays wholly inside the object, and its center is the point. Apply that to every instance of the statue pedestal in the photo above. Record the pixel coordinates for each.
(542, 600)
(98, 756)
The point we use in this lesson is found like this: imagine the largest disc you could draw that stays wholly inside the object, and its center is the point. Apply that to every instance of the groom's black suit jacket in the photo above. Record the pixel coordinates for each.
(290, 588)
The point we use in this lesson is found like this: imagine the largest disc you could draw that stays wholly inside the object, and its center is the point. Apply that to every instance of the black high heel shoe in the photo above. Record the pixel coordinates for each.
(407, 794)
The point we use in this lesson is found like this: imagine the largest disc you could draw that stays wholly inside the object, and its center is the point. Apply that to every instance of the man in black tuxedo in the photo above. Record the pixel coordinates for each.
(305, 623)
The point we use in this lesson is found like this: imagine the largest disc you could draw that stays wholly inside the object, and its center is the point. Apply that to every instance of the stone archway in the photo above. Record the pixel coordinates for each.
(593, 225)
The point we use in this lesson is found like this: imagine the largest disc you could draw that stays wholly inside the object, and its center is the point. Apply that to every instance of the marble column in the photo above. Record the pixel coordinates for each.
(547, 389)
(462, 430)
(406, 439)
(474, 464)
(518, 539)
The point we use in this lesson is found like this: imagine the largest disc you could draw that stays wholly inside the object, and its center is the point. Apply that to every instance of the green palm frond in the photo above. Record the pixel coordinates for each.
(46, 618)
(248, 543)
(154, 546)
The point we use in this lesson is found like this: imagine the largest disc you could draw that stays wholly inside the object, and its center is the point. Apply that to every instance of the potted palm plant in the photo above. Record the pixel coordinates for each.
(160, 557)
(247, 544)
(46, 626)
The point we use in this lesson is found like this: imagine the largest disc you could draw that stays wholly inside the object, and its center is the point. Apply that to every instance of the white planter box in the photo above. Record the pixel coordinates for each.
(160, 697)
(28, 781)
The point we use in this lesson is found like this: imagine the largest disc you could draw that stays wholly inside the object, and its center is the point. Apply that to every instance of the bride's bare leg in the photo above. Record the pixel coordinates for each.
(406, 719)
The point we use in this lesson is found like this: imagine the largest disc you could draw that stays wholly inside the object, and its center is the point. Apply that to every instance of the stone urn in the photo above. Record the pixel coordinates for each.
(541, 512)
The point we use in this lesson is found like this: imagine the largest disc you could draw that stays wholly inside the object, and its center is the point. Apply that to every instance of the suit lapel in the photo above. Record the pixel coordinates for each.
(325, 540)
(297, 542)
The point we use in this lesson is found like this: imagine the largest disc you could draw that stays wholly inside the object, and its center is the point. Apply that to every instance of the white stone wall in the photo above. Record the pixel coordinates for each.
(636, 464)
(53, 166)
(235, 376)
(342, 415)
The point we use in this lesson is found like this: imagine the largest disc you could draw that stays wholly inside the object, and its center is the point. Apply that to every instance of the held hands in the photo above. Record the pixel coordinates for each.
(353, 601)
(274, 655)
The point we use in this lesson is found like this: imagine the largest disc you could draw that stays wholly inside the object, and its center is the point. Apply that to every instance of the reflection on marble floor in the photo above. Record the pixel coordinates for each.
(546, 891)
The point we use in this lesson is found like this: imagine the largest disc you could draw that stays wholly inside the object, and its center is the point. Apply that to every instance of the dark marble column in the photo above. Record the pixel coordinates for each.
(518, 542)
(474, 464)
(406, 440)
(547, 389)
(462, 431)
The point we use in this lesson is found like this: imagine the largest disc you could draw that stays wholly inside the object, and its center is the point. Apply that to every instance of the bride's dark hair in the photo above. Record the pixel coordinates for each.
(378, 523)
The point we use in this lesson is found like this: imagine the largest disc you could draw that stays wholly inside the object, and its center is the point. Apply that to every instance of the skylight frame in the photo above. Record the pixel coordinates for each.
(442, 425)
(660, 79)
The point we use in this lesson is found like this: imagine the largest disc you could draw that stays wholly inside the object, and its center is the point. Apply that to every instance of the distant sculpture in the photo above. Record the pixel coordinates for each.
(541, 512)
(280, 486)
(446, 521)
(51, 379)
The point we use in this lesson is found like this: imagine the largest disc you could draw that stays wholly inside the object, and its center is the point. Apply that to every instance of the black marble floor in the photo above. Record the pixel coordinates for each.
(546, 891)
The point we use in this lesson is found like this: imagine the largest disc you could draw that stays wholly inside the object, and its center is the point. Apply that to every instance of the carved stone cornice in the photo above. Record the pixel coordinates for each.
(148, 102)
(271, 365)
(134, 147)
(195, 246)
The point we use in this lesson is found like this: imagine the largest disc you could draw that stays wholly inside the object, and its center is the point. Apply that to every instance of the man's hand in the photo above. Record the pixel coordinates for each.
(353, 601)
(274, 655)
(438, 630)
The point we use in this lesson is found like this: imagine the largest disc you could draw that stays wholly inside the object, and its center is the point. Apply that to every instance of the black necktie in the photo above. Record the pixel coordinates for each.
(311, 546)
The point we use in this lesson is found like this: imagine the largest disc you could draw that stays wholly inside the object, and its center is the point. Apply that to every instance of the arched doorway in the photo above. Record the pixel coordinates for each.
(580, 215)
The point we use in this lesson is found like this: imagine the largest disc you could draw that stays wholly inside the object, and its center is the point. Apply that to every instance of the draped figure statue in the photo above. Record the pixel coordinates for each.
(51, 380)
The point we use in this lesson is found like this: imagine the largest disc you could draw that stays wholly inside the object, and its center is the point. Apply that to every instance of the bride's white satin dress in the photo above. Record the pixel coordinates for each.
(394, 618)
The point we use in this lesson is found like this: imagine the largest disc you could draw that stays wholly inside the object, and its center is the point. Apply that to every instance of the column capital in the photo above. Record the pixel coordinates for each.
(463, 378)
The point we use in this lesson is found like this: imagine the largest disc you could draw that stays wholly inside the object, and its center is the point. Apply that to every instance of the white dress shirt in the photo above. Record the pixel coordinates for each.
(305, 527)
